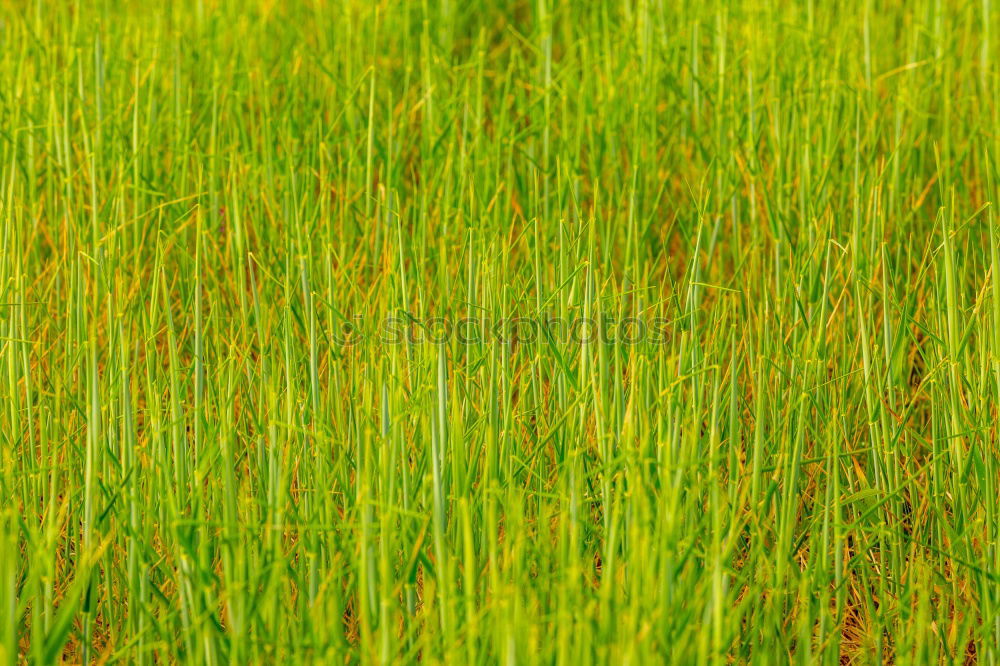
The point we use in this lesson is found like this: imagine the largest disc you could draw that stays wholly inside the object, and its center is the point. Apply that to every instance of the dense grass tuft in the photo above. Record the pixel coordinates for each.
(214, 211)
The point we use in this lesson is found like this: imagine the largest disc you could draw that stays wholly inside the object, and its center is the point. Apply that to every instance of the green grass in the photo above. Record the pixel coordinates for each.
(210, 454)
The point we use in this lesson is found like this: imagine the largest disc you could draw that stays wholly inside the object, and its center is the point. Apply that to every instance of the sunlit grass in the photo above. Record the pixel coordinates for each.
(210, 453)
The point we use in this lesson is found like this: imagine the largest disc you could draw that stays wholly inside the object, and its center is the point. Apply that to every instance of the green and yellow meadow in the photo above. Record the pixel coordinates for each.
(483, 331)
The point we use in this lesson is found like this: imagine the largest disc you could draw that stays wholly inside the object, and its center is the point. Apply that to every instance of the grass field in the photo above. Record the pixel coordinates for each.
(541, 331)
